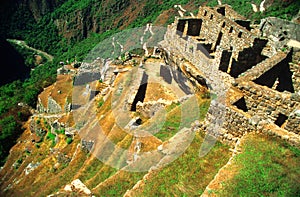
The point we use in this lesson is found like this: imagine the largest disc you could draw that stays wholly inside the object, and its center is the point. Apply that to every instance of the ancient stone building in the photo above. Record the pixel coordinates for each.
(257, 91)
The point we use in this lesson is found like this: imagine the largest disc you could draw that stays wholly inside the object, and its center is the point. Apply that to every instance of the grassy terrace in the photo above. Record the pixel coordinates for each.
(189, 174)
(267, 167)
(174, 120)
(118, 184)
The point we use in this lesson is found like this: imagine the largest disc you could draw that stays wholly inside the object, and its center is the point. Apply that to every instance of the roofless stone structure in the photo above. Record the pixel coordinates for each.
(257, 87)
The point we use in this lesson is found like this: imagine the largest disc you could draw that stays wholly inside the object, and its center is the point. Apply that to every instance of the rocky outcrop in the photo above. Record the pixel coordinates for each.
(41, 7)
(31, 167)
(80, 23)
(78, 187)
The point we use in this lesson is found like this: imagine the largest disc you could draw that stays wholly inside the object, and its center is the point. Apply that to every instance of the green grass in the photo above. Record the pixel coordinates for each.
(51, 137)
(124, 181)
(180, 116)
(100, 102)
(269, 167)
(90, 170)
(102, 174)
(69, 140)
(171, 125)
(60, 131)
(189, 174)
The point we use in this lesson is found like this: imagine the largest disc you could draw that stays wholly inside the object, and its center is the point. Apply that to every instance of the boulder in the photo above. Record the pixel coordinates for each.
(78, 187)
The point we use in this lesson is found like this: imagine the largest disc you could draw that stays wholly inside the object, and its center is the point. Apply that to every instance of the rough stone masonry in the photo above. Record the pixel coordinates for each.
(257, 78)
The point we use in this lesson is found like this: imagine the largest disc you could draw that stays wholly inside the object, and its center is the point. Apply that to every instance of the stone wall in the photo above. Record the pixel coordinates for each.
(148, 109)
(236, 124)
(215, 25)
(173, 43)
(270, 104)
(295, 69)
(40, 107)
(52, 106)
(255, 93)
(279, 31)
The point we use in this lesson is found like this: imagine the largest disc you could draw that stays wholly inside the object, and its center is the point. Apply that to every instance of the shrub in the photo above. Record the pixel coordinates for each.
(60, 131)
(69, 140)
(52, 137)
(101, 102)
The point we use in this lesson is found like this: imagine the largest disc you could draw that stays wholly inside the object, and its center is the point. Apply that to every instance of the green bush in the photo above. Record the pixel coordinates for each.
(69, 140)
(100, 103)
(51, 137)
(60, 131)
(9, 132)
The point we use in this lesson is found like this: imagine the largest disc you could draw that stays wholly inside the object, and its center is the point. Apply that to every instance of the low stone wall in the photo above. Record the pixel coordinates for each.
(270, 104)
(148, 109)
(236, 124)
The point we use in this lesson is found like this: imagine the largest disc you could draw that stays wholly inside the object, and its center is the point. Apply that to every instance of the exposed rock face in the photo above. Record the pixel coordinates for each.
(81, 23)
(77, 24)
(41, 7)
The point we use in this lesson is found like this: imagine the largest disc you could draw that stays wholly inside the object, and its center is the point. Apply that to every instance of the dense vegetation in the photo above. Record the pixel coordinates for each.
(282, 9)
(17, 21)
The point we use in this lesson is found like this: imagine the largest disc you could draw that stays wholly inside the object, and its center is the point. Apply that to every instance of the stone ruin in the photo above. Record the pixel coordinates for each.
(253, 72)
(256, 80)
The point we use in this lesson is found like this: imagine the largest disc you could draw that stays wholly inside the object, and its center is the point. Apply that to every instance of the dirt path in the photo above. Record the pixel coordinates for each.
(23, 44)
